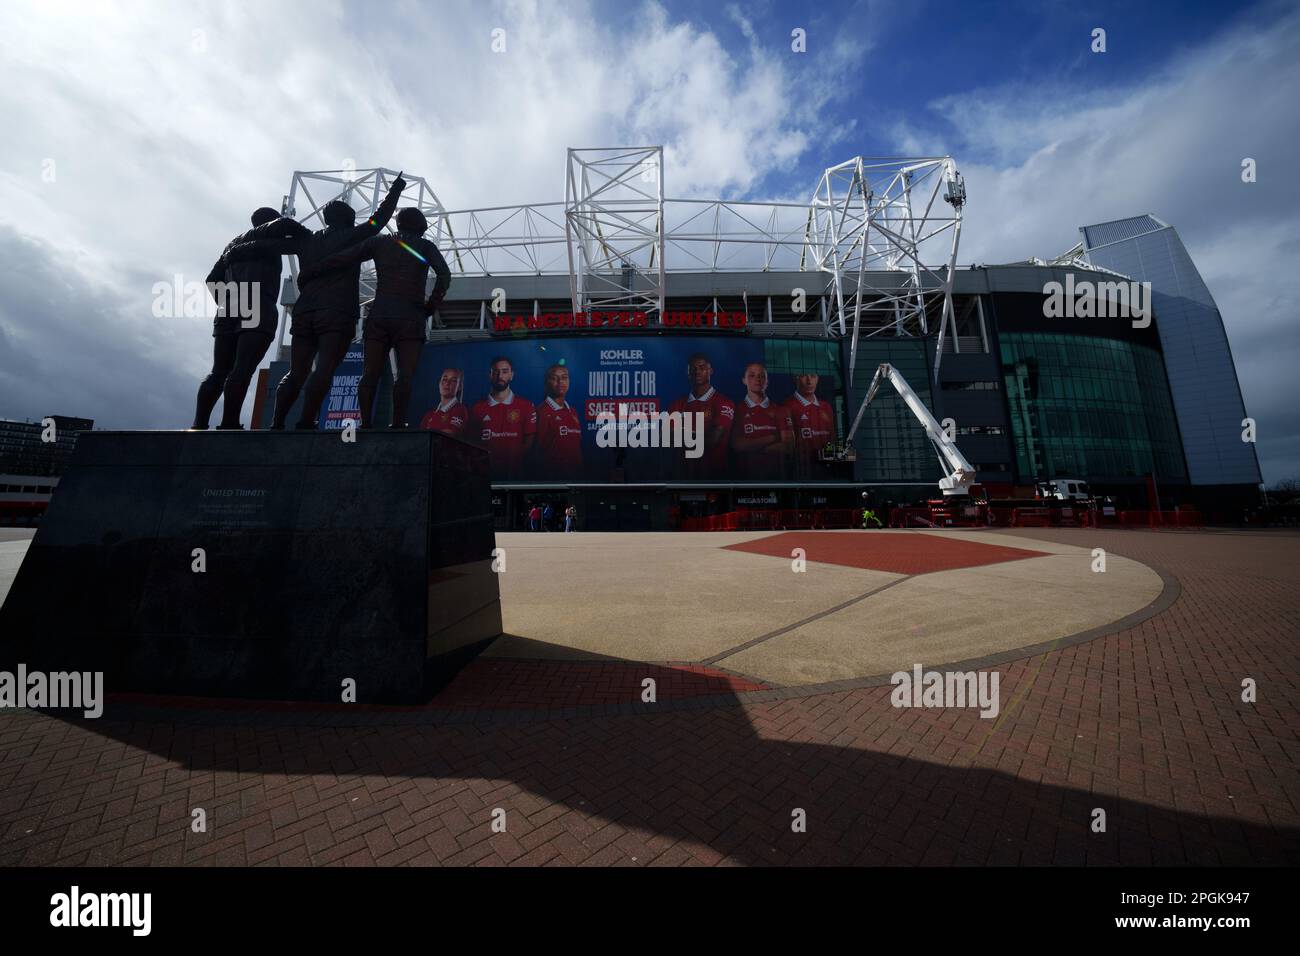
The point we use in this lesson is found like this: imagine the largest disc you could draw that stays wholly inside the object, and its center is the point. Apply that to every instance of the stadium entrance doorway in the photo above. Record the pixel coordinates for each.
(621, 509)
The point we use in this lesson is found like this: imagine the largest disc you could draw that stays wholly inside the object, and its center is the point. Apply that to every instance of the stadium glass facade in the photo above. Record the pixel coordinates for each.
(1031, 396)
(1089, 406)
(1193, 342)
(794, 357)
(891, 445)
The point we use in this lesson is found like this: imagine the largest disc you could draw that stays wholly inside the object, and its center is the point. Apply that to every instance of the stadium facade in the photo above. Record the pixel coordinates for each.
(652, 304)
(32, 457)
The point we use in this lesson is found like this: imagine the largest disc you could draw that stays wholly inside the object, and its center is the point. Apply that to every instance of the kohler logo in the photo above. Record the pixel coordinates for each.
(1098, 300)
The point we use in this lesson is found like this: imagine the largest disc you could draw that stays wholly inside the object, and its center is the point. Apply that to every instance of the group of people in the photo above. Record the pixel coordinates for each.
(543, 441)
(541, 517)
(327, 309)
(762, 438)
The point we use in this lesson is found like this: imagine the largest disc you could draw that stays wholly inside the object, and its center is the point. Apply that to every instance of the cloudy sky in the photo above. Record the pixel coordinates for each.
(139, 136)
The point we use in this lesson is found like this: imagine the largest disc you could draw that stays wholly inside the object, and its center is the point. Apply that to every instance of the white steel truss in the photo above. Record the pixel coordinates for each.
(363, 190)
(872, 225)
(614, 227)
(875, 227)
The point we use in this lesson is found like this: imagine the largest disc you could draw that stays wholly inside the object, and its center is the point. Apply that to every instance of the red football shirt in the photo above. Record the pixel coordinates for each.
(559, 440)
(501, 428)
(814, 424)
(450, 422)
(719, 411)
(761, 419)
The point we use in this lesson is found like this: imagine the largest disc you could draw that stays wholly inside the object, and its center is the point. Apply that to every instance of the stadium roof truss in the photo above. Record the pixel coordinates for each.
(884, 231)
(363, 190)
(614, 227)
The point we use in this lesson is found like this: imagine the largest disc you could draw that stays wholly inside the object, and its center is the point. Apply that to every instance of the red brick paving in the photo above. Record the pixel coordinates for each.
(1147, 724)
(896, 553)
(531, 684)
(504, 684)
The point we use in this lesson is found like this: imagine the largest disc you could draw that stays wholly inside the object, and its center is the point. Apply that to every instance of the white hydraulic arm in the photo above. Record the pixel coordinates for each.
(960, 472)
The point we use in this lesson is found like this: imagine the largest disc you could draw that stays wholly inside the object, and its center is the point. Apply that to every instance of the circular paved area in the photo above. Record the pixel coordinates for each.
(1144, 719)
(806, 608)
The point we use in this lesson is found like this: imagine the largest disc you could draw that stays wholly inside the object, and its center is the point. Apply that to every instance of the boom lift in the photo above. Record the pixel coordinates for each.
(957, 484)
(960, 473)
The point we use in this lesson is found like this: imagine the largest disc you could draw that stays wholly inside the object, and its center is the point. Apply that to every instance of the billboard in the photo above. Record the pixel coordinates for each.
(629, 409)
(341, 401)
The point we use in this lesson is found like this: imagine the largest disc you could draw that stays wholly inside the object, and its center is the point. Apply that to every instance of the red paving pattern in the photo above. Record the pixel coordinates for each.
(1147, 724)
(896, 553)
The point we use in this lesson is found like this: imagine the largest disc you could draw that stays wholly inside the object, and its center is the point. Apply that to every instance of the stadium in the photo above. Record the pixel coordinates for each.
(1107, 365)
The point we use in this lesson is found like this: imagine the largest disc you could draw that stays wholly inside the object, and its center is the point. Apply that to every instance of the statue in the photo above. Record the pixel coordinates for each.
(245, 292)
(396, 318)
(326, 313)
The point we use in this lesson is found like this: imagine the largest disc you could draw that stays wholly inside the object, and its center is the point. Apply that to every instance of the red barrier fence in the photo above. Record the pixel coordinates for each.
(21, 513)
(955, 516)
(1043, 517)
(776, 519)
(1183, 518)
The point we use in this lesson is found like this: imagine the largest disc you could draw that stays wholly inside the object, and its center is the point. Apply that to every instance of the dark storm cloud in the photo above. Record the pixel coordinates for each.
(67, 349)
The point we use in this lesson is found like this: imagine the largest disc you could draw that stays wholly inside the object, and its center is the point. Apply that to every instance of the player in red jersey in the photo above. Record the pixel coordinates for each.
(449, 416)
(504, 423)
(719, 415)
(763, 436)
(559, 432)
(814, 423)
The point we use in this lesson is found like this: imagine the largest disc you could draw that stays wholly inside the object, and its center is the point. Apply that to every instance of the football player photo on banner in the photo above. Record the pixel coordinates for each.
(635, 408)
(449, 415)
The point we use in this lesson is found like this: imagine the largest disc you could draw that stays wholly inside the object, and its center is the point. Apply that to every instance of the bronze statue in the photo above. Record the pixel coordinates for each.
(245, 291)
(325, 315)
(396, 318)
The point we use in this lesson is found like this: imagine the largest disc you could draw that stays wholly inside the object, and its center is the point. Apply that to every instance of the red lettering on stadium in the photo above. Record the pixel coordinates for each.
(555, 321)
(706, 320)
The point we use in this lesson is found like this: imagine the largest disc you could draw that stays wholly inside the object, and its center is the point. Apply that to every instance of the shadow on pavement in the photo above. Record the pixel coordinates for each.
(703, 771)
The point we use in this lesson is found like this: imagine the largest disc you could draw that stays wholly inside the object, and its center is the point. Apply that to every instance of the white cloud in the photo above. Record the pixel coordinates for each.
(163, 147)
(1042, 160)
(165, 139)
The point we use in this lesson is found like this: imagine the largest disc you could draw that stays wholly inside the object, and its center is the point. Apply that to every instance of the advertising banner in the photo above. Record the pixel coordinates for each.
(341, 401)
(635, 408)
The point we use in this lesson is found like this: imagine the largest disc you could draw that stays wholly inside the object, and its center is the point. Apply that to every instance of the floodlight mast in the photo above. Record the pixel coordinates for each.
(874, 227)
(872, 224)
(955, 196)
(614, 228)
(960, 473)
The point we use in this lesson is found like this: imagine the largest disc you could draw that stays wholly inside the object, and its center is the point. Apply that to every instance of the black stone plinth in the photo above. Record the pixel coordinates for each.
(325, 560)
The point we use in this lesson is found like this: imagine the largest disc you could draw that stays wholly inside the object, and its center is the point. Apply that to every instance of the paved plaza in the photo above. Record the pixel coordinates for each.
(770, 656)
